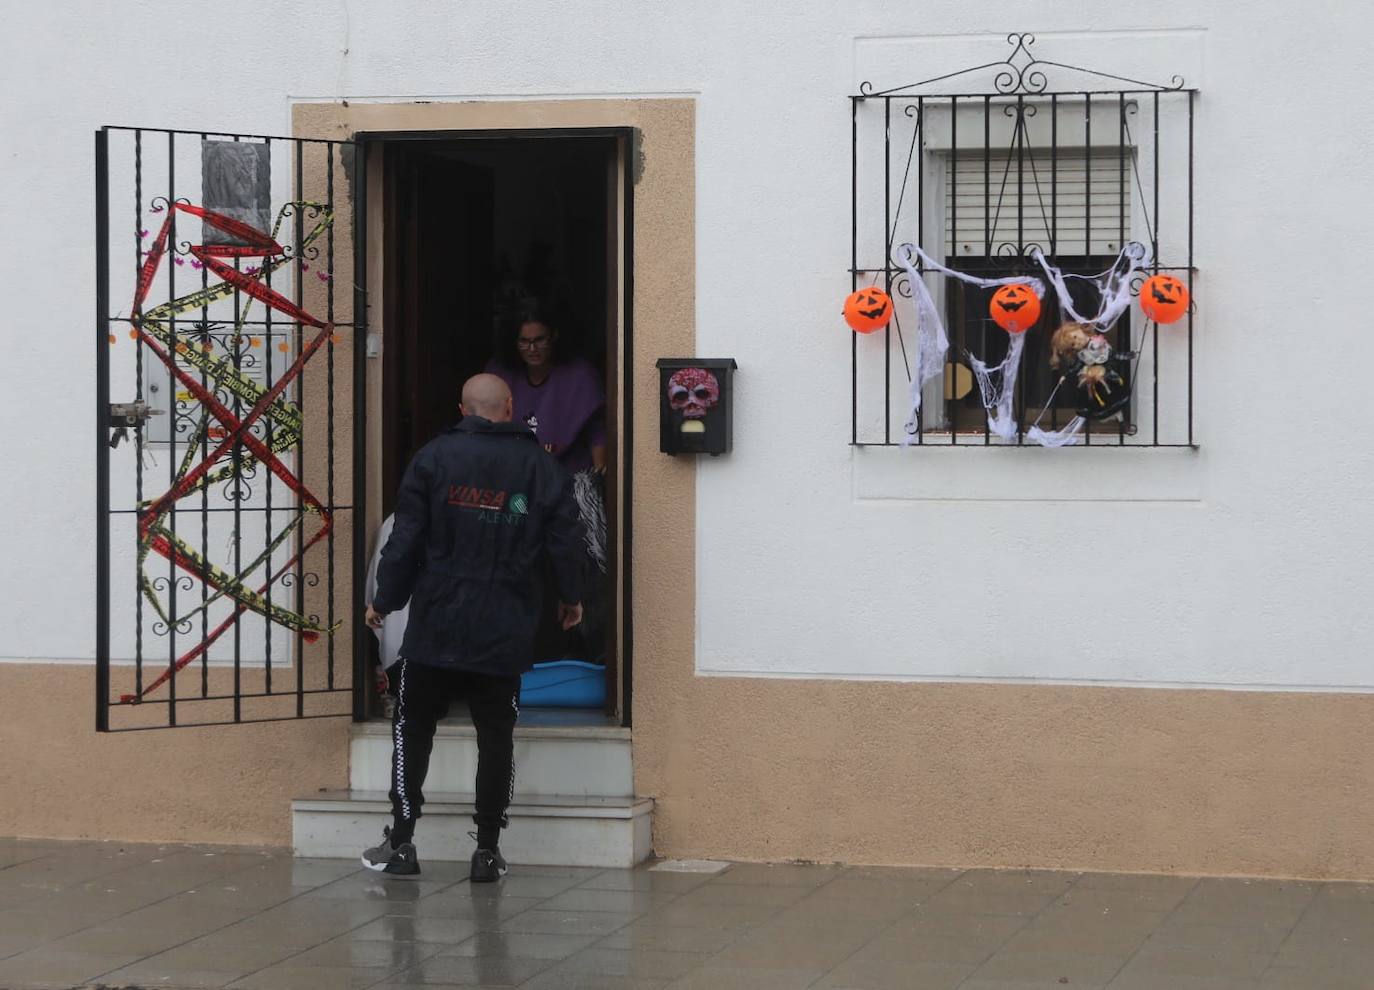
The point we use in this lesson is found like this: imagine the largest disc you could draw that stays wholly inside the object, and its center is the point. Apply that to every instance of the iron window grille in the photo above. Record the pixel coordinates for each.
(1074, 171)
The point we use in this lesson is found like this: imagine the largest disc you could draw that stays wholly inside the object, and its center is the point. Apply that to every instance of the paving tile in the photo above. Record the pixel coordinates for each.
(642, 879)
(673, 938)
(991, 929)
(1017, 881)
(777, 873)
(875, 974)
(712, 915)
(540, 921)
(371, 886)
(49, 967)
(556, 979)
(300, 935)
(818, 911)
(1218, 962)
(779, 946)
(49, 925)
(1122, 899)
(1107, 923)
(959, 898)
(619, 901)
(398, 928)
(578, 873)
(642, 963)
(252, 933)
(481, 970)
(887, 884)
(1346, 890)
(1121, 942)
(1077, 968)
(1309, 978)
(311, 978)
(153, 975)
(1135, 881)
(202, 955)
(527, 945)
(115, 939)
(525, 885)
(1154, 981)
(1232, 902)
(1257, 939)
(485, 910)
(979, 983)
(362, 954)
(724, 978)
(13, 943)
(923, 947)
(775, 895)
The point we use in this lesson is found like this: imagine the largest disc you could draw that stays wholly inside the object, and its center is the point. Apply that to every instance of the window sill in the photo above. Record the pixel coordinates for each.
(1009, 473)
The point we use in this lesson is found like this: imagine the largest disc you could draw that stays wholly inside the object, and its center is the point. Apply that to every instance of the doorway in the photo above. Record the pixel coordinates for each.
(479, 228)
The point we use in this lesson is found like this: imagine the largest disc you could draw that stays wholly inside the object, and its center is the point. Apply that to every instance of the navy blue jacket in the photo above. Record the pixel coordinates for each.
(478, 508)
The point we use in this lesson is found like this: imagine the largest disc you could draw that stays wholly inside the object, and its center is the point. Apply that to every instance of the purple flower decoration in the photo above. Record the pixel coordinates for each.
(178, 260)
(252, 271)
(324, 276)
(304, 267)
(196, 264)
(142, 233)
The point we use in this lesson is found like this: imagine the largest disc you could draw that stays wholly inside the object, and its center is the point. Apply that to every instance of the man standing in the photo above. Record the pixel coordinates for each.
(478, 507)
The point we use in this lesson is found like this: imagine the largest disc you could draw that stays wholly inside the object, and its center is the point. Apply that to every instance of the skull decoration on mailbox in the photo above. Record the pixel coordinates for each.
(694, 407)
(693, 392)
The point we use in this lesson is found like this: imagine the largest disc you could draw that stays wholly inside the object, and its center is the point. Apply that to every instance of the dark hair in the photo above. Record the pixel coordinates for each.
(508, 331)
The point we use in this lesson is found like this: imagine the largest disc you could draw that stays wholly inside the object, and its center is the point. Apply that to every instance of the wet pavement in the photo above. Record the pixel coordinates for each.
(128, 915)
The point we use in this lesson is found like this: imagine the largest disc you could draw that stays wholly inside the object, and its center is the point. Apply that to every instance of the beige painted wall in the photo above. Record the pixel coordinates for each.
(232, 784)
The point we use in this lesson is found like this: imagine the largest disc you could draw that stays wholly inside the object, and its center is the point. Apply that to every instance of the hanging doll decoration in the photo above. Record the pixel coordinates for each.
(1088, 362)
(1098, 374)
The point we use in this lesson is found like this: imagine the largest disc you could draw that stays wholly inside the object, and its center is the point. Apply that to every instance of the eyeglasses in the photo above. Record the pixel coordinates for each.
(532, 343)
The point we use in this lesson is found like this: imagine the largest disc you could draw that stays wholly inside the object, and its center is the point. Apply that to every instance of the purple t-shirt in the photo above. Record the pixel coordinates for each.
(566, 412)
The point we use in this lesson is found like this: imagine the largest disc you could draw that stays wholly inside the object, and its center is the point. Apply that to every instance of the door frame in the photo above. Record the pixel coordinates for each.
(620, 359)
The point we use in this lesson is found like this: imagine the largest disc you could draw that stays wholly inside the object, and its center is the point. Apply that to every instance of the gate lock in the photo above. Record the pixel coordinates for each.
(124, 415)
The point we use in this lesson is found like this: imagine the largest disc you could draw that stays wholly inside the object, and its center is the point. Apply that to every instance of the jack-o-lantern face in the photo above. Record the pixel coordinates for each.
(693, 392)
(1015, 308)
(867, 310)
(1164, 299)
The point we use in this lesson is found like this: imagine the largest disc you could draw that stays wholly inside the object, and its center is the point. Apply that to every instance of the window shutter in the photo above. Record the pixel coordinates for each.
(1062, 196)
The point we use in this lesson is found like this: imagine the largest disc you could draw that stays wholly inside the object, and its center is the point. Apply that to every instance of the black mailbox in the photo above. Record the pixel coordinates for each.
(696, 405)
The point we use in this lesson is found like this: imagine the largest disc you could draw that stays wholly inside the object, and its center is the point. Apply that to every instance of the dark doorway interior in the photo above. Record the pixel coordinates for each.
(476, 226)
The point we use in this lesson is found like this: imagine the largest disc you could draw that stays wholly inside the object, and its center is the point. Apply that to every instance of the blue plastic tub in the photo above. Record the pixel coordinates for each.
(563, 684)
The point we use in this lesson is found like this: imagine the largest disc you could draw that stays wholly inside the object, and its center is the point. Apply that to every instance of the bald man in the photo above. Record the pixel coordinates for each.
(479, 507)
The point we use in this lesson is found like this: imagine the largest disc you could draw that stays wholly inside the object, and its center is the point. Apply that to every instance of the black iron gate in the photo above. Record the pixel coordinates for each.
(230, 447)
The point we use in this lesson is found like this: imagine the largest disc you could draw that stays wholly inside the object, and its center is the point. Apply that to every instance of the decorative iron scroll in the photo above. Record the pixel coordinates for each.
(1021, 73)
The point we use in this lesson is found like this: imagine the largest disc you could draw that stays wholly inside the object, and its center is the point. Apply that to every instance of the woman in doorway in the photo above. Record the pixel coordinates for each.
(562, 400)
(559, 398)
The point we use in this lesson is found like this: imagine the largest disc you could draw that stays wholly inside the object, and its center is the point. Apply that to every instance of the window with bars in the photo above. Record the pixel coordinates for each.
(985, 181)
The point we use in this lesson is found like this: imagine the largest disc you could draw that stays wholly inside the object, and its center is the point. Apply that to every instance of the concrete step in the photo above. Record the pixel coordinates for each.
(585, 760)
(561, 830)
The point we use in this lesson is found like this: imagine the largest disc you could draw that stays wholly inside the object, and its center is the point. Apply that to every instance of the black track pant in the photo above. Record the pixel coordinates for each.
(423, 694)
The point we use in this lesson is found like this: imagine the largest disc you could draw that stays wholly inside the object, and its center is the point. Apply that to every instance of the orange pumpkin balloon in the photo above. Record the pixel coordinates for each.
(1015, 307)
(867, 310)
(1164, 299)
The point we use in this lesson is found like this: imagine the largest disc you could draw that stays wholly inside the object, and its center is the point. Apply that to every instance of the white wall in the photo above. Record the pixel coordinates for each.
(1241, 564)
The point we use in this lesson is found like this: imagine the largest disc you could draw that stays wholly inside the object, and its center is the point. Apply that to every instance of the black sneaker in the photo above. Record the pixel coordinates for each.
(488, 866)
(399, 861)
